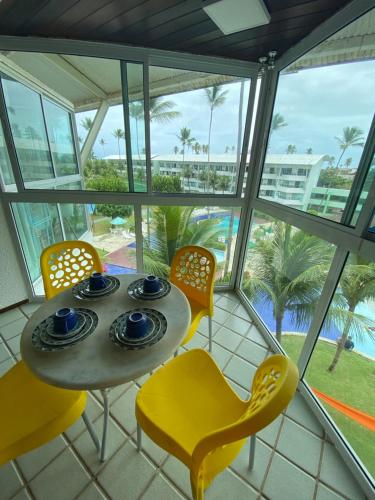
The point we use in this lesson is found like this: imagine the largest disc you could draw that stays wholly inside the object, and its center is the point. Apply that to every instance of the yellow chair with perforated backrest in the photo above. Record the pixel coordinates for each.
(189, 409)
(33, 412)
(66, 263)
(193, 271)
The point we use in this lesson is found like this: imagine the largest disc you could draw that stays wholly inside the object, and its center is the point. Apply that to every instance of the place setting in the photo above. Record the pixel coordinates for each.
(138, 328)
(96, 286)
(149, 288)
(63, 329)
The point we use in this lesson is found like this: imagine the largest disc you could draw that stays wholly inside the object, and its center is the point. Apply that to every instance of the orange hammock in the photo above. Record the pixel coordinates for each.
(360, 417)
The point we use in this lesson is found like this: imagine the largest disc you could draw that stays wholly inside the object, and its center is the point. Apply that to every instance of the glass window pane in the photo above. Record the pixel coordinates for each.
(323, 111)
(197, 122)
(29, 134)
(84, 121)
(61, 139)
(137, 125)
(38, 226)
(109, 228)
(165, 229)
(365, 190)
(284, 273)
(7, 178)
(341, 369)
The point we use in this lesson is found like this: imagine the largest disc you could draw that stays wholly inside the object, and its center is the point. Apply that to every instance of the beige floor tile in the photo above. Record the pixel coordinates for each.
(85, 447)
(294, 442)
(228, 303)
(9, 316)
(335, 473)
(92, 492)
(4, 352)
(241, 312)
(238, 325)
(116, 392)
(12, 329)
(197, 342)
(178, 473)
(124, 410)
(33, 462)
(324, 493)
(203, 327)
(10, 482)
(298, 410)
(243, 394)
(227, 485)
(22, 495)
(228, 338)
(220, 355)
(255, 335)
(269, 433)
(252, 352)
(14, 344)
(286, 482)
(6, 365)
(255, 476)
(240, 371)
(220, 315)
(63, 479)
(127, 474)
(162, 489)
(30, 308)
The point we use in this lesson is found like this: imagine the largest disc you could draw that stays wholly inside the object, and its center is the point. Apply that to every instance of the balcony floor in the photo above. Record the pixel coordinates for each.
(293, 458)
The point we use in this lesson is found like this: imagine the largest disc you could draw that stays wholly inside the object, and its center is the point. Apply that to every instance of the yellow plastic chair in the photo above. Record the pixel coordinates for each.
(66, 263)
(188, 408)
(193, 271)
(32, 412)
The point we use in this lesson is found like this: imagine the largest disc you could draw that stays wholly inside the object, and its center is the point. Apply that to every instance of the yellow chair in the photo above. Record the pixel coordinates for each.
(193, 271)
(32, 412)
(188, 408)
(66, 263)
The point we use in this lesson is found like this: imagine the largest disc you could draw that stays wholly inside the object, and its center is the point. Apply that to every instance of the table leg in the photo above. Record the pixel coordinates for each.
(104, 393)
(91, 430)
(252, 451)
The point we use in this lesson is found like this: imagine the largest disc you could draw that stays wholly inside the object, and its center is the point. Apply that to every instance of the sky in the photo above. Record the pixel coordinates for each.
(316, 104)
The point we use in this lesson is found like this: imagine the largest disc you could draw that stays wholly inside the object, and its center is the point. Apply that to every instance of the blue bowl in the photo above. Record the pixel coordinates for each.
(65, 320)
(97, 281)
(151, 284)
(136, 325)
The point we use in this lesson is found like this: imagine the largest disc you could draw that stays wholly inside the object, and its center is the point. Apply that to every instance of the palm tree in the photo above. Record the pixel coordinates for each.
(162, 111)
(118, 133)
(203, 177)
(352, 136)
(348, 162)
(357, 285)
(185, 138)
(223, 183)
(277, 123)
(309, 151)
(187, 173)
(176, 227)
(291, 149)
(102, 143)
(136, 111)
(197, 148)
(213, 179)
(288, 268)
(175, 150)
(86, 123)
(216, 98)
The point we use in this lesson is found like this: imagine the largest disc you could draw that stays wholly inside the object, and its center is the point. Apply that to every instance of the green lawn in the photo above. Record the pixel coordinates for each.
(352, 382)
(101, 225)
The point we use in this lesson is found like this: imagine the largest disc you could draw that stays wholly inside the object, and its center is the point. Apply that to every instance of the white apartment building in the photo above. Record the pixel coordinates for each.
(288, 177)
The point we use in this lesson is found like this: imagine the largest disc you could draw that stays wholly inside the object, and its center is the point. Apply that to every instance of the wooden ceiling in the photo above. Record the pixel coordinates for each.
(180, 25)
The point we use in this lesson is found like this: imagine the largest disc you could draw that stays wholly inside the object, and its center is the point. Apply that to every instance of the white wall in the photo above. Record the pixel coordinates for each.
(12, 285)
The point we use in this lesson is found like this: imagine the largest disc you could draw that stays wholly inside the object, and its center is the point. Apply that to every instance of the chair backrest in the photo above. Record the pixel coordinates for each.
(66, 263)
(193, 271)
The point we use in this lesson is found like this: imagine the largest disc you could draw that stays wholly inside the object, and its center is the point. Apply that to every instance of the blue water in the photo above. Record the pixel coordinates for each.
(219, 254)
(113, 269)
(264, 310)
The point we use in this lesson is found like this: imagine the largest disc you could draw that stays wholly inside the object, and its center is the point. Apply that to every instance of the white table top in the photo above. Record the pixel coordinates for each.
(96, 362)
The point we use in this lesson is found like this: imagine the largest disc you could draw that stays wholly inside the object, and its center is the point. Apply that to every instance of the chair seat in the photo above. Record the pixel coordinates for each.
(197, 313)
(178, 406)
(33, 412)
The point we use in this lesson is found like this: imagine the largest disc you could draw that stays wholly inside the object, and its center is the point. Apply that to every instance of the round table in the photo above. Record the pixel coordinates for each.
(96, 362)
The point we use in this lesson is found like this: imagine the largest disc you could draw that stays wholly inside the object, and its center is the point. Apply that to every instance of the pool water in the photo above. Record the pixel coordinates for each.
(225, 222)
